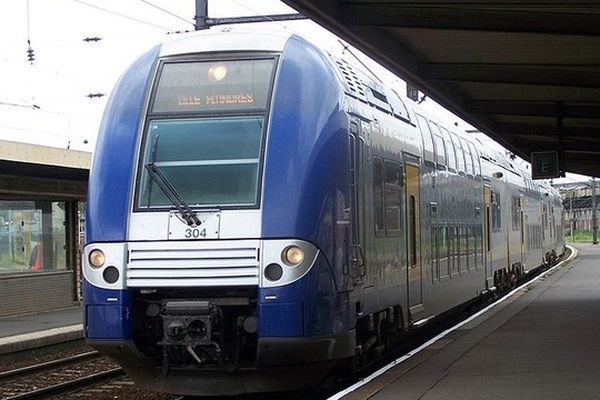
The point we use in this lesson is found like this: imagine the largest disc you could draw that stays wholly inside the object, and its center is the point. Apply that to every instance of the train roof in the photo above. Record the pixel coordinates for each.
(226, 39)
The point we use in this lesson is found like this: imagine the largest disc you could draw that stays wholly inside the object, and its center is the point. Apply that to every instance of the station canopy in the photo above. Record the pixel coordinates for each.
(527, 73)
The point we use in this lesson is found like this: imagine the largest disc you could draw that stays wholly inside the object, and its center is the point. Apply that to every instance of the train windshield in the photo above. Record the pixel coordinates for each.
(204, 134)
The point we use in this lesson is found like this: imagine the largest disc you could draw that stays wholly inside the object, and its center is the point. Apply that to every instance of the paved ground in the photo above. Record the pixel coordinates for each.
(544, 343)
(25, 332)
(10, 326)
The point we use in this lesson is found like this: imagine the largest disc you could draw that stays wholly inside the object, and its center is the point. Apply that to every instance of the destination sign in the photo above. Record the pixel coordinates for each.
(215, 99)
(213, 86)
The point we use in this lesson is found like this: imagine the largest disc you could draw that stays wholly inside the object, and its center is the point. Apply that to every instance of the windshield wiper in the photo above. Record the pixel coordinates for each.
(169, 190)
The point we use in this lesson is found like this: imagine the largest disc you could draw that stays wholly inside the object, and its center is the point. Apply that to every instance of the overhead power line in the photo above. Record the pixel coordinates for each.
(32, 106)
(167, 12)
(122, 15)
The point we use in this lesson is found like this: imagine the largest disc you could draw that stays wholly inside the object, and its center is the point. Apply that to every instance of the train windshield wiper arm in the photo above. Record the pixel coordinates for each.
(168, 189)
(172, 194)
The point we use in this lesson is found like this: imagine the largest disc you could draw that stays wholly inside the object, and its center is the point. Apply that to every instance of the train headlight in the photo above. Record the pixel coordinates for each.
(293, 255)
(97, 258)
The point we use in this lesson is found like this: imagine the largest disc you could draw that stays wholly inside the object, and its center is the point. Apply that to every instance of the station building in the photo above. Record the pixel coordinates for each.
(42, 195)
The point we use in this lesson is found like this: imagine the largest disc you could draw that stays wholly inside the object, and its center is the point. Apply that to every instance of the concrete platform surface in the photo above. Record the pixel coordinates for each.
(542, 343)
(23, 332)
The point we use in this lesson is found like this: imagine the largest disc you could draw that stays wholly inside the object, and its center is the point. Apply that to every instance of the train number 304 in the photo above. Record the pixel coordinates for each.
(195, 233)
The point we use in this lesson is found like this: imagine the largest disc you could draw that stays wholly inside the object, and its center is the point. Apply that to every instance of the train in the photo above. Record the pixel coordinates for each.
(261, 212)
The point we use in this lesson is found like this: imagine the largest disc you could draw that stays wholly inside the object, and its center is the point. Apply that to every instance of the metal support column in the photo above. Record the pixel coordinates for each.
(201, 16)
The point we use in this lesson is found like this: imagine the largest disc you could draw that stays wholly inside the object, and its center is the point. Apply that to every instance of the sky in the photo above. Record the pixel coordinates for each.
(45, 101)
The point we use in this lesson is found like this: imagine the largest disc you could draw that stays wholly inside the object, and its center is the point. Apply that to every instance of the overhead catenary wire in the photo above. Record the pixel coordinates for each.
(122, 15)
(168, 12)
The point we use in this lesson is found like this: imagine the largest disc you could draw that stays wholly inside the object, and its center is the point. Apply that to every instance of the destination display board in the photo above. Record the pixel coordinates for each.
(213, 86)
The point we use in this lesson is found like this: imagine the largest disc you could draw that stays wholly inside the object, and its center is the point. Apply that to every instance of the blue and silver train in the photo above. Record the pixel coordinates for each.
(260, 212)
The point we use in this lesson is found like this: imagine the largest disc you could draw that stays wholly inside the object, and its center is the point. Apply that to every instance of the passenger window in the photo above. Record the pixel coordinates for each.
(460, 158)
(496, 217)
(468, 159)
(449, 149)
(440, 148)
(464, 249)
(453, 251)
(515, 213)
(378, 193)
(476, 159)
(393, 191)
(435, 256)
(444, 248)
(427, 139)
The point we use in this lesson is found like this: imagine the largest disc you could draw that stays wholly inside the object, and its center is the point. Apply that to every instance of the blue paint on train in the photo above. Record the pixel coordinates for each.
(112, 171)
(305, 176)
(107, 313)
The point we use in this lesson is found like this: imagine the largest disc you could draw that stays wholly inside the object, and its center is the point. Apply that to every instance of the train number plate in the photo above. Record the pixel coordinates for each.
(208, 228)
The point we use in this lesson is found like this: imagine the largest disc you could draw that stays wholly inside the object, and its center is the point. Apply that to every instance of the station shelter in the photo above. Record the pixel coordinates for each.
(42, 197)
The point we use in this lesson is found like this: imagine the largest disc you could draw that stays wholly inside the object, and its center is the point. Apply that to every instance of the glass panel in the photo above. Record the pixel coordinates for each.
(440, 148)
(393, 187)
(453, 250)
(211, 162)
(427, 139)
(443, 252)
(378, 193)
(32, 236)
(435, 257)
(468, 159)
(449, 148)
(213, 86)
(460, 157)
(476, 160)
(464, 249)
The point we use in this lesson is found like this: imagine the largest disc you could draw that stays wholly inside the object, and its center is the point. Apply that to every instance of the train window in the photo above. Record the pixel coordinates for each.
(460, 157)
(440, 148)
(468, 158)
(476, 159)
(427, 139)
(209, 161)
(443, 252)
(462, 250)
(213, 86)
(472, 239)
(398, 106)
(466, 247)
(393, 192)
(450, 152)
(378, 194)
(496, 217)
(515, 212)
(479, 246)
(454, 251)
(435, 256)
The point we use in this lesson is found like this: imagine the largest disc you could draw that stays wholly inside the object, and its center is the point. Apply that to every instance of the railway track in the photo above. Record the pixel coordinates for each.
(56, 377)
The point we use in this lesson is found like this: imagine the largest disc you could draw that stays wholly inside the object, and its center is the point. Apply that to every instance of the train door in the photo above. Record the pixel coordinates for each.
(487, 234)
(357, 268)
(413, 219)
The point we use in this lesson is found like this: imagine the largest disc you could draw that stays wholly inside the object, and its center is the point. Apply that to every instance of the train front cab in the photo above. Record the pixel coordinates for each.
(211, 294)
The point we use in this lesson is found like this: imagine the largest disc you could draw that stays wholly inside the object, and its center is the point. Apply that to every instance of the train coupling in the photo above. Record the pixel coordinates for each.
(189, 322)
(193, 327)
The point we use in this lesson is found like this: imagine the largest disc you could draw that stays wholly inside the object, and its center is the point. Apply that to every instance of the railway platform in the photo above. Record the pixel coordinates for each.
(25, 332)
(543, 342)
